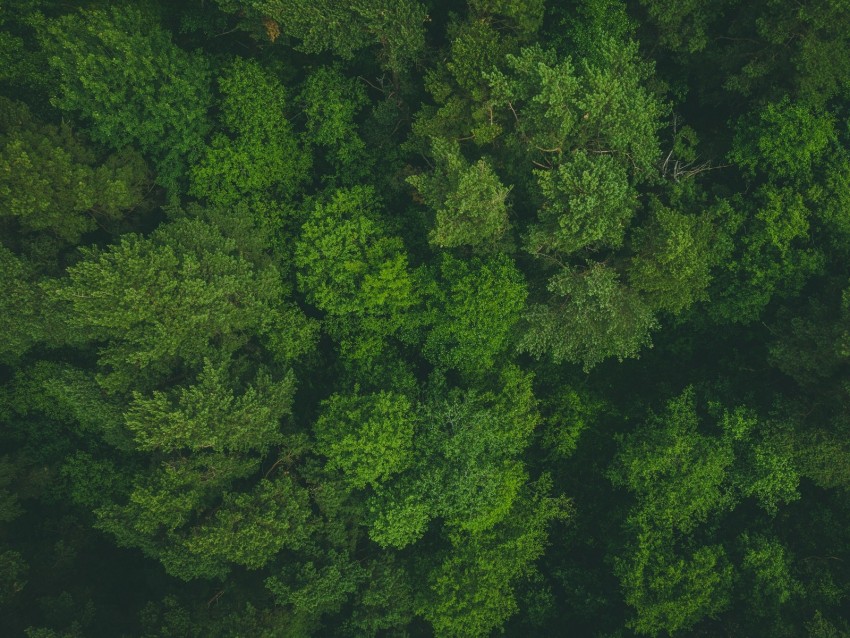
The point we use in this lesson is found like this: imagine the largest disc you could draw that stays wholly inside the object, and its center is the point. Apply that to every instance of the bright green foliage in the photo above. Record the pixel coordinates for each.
(331, 103)
(591, 317)
(784, 141)
(766, 467)
(251, 528)
(588, 204)
(207, 415)
(467, 469)
(119, 71)
(169, 300)
(475, 47)
(588, 24)
(385, 604)
(368, 437)
(185, 300)
(258, 156)
(678, 475)
(472, 589)
(350, 268)
(313, 588)
(675, 256)
(569, 414)
(210, 438)
(601, 107)
(832, 200)
(50, 181)
(776, 258)
(345, 28)
(474, 313)
(468, 199)
(782, 150)
(343, 253)
(591, 130)
(683, 482)
(671, 591)
(767, 569)
(679, 478)
(488, 210)
(460, 89)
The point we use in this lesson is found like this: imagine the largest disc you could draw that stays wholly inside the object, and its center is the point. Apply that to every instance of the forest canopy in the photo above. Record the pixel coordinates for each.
(420, 318)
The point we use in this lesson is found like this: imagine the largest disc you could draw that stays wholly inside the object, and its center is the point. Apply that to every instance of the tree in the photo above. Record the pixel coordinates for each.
(332, 103)
(676, 254)
(474, 313)
(596, 317)
(50, 182)
(670, 591)
(368, 437)
(467, 464)
(472, 587)
(21, 317)
(591, 131)
(684, 481)
(259, 156)
(588, 204)
(780, 150)
(353, 270)
(602, 107)
(468, 199)
(119, 71)
(171, 300)
(186, 396)
(343, 29)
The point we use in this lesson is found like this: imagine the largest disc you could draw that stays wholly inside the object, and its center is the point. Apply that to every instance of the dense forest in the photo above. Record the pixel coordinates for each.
(424, 318)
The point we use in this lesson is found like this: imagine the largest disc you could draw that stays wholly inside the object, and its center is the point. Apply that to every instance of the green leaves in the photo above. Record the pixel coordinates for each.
(588, 203)
(50, 181)
(678, 474)
(369, 438)
(601, 106)
(21, 320)
(592, 316)
(120, 72)
(475, 310)
(674, 260)
(250, 528)
(672, 592)
(259, 157)
(344, 29)
(181, 316)
(784, 140)
(468, 199)
(331, 103)
(467, 466)
(472, 588)
(353, 270)
(168, 300)
(684, 482)
(207, 415)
